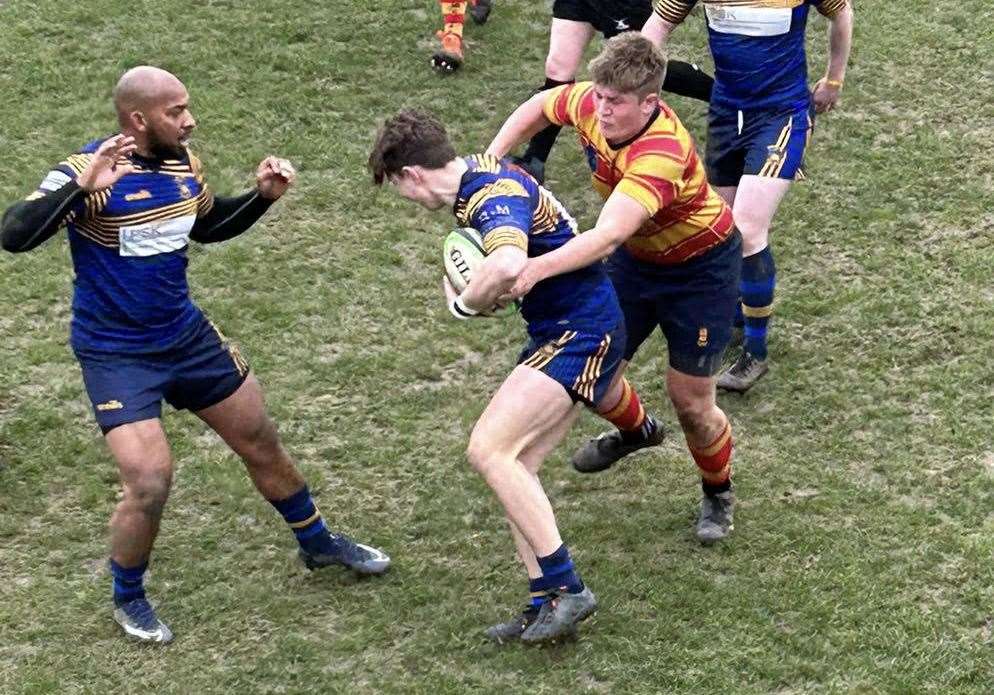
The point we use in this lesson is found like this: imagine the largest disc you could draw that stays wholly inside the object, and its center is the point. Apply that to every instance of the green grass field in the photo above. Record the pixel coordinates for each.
(862, 558)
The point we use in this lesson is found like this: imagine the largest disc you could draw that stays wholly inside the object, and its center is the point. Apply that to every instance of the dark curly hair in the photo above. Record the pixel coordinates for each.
(411, 138)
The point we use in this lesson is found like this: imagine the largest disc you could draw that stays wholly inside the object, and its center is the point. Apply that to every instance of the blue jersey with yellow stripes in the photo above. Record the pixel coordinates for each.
(128, 245)
(758, 49)
(507, 206)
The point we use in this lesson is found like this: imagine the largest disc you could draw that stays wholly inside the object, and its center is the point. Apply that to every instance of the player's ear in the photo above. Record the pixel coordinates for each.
(138, 121)
(649, 103)
(412, 174)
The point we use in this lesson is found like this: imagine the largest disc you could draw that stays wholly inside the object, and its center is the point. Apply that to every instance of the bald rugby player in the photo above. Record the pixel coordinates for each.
(131, 203)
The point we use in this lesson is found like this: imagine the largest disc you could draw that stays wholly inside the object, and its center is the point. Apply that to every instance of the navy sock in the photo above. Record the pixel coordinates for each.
(129, 582)
(539, 592)
(759, 279)
(558, 571)
(305, 521)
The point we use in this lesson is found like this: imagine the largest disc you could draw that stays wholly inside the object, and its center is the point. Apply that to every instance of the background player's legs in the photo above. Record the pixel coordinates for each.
(567, 41)
(241, 420)
(709, 438)
(755, 203)
(449, 56)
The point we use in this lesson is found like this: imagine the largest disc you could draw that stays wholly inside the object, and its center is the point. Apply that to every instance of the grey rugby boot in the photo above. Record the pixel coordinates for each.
(716, 518)
(361, 559)
(560, 616)
(508, 631)
(743, 374)
(140, 622)
(607, 449)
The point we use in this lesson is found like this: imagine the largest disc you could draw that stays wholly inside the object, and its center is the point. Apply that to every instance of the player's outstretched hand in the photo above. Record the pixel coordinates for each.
(108, 164)
(274, 176)
(825, 96)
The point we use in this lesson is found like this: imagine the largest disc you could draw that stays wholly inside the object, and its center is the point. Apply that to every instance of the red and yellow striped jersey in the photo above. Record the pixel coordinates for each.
(659, 168)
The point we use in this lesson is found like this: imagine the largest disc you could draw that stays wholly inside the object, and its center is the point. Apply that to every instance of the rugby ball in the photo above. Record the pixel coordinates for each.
(462, 254)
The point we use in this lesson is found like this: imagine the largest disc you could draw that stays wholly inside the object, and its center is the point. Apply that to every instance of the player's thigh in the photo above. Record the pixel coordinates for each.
(568, 38)
(535, 453)
(727, 193)
(634, 289)
(241, 419)
(691, 394)
(697, 308)
(756, 202)
(141, 451)
(528, 405)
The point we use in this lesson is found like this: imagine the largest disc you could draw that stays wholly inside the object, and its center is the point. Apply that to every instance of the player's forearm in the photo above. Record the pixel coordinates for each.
(493, 279)
(839, 43)
(29, 223)
(520, 126)
(230, 217)
(658, 30)
(579, 252)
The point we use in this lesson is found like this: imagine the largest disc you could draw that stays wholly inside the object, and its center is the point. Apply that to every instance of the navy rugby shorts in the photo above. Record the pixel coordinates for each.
(768, 143)
(582, 362)
(197, 374)
(693, 303)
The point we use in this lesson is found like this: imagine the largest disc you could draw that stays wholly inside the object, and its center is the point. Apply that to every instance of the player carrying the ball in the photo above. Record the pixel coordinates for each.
(576, 333)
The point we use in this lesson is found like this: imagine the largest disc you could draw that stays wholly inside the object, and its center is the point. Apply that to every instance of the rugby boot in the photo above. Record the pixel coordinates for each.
(448, 58)
(508, 631)
(743, 374)
(140, 622)
(361, 559)
(603, 452)
(559, 616)
(716, 518)
(479, 10)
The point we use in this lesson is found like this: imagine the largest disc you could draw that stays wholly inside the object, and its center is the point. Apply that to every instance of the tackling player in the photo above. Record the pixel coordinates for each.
(574, 23)
(131, 203)
(674, 252)
(759, 125)
(576, 336)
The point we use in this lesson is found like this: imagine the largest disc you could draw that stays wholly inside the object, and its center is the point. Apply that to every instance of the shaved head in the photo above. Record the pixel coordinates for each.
(153, 107)
(145, 87)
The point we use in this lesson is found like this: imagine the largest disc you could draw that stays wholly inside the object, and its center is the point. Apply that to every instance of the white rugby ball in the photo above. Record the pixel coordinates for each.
(462, 253)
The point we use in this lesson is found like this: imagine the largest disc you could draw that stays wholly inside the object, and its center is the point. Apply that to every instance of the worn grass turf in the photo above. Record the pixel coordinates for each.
(862, 558)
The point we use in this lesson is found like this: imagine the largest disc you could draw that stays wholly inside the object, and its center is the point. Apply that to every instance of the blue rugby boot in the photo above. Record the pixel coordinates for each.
(140, 622)
(361, 559)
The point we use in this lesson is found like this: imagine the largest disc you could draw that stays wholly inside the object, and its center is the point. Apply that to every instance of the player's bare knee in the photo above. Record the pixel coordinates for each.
(483, 457)
(149, 491)
(556, 68)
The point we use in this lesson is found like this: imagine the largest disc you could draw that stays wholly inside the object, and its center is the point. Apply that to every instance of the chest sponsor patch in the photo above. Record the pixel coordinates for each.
(749, 21)
(153, 238)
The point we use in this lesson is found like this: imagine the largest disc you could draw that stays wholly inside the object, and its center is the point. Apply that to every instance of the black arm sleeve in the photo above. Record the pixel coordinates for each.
(229, 217)
(28, 223)
(687, 80)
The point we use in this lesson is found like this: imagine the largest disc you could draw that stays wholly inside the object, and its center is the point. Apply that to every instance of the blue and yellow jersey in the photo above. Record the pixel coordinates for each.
(508, 207)
(758, 49)
(659, 168)
(128, 245)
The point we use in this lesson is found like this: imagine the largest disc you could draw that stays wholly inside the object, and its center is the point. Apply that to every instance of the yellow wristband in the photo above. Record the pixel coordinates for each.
(834, 83)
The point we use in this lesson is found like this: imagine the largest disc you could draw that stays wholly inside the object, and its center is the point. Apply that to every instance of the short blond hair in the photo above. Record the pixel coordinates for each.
(630, 63)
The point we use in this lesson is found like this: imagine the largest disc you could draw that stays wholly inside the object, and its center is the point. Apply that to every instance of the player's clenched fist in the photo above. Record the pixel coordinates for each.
(274, 177)
(108, 164)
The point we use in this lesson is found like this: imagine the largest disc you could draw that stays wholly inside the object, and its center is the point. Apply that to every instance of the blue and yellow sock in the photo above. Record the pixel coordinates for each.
(129, 582)
(558, 571)
(305, 521)
(759, 279)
